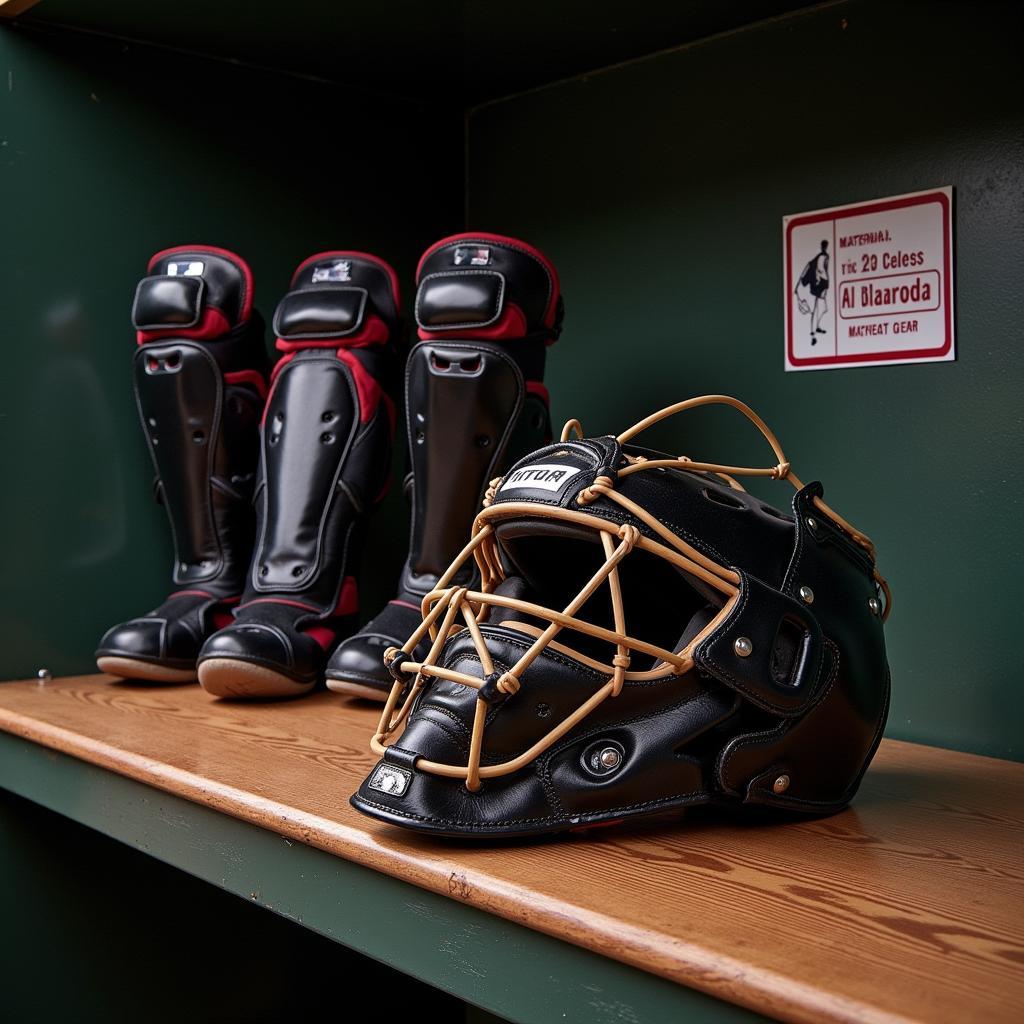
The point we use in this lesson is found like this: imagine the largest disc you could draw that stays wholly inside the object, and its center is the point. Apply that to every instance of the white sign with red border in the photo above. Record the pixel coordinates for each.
(871, 283)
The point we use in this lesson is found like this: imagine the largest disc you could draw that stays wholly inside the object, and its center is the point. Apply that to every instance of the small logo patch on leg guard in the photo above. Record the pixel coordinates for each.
(472, 257)
(193, 268)
(389, 779)
(339, 270)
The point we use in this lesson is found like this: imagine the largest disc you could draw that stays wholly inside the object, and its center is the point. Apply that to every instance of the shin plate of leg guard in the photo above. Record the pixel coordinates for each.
(326, 451)
(200, 380)
(487, 307)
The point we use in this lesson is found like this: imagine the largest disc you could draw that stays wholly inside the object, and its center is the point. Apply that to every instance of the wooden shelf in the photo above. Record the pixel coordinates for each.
(907, 906)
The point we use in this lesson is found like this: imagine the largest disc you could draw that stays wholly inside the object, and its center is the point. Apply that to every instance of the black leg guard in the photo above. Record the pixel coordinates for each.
(326, 452)
(200, 382)
(487, 307)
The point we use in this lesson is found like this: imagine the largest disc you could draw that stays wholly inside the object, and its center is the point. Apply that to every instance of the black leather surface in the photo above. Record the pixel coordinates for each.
(527, 281)
(468, 414)
(460, 298)
(462, 400)
(324, 465)
(202, 432)
(167, 302)
(311, 421)
(203, 444)
(330, 271)
(327, 312)
(224, 284)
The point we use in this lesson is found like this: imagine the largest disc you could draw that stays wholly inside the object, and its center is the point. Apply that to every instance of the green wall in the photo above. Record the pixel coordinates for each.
(107, 154)
(659, 187)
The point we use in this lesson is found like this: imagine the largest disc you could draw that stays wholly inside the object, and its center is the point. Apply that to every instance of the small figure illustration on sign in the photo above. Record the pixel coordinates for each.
(814, 278)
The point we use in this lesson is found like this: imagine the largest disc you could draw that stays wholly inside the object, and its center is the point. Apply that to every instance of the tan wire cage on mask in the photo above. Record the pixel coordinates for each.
(449, 609)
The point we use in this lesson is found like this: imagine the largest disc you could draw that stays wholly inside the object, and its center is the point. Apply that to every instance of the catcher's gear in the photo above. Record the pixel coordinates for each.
(646, 636)
(486, 309)
(326, 454)
(200, 381)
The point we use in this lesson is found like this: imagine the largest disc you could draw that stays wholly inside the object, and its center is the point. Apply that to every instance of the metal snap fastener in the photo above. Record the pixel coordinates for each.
(874, 606)
(781, 784)
(743, 647)
(807, 595)
(603, 758)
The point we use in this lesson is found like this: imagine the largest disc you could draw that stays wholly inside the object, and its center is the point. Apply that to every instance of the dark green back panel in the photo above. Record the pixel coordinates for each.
(107, 155)
(659, 189)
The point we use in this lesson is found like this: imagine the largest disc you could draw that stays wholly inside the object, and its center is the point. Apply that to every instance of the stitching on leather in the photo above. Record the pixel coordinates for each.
(698, 796)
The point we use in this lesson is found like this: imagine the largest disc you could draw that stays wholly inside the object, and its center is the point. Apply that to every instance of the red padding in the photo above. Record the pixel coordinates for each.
(515, 243)
(534, 387)
(341, 254)
(213, 324)
(367, 388)
(222, 619)
(252, 377)
(247, 291)
(374, 332)
(324, 633)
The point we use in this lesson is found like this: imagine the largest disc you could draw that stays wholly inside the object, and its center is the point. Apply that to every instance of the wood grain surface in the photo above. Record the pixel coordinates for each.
(907, 906)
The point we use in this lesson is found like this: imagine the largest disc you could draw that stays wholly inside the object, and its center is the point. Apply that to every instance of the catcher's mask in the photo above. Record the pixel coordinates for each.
(645, 635)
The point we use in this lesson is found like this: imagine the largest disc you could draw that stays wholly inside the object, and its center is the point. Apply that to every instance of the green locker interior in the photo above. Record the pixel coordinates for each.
(657, 184)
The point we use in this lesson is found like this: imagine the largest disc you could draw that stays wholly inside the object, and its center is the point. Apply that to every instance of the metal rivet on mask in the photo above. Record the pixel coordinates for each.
(743, 646)
(812, 523)
(874, 606)
(807, 595)
(603, 758)
(781, 784)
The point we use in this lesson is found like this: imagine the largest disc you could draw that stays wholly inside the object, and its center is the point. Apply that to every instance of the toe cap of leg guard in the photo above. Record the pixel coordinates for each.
(255, 659)
(142, 647)
(360, 660)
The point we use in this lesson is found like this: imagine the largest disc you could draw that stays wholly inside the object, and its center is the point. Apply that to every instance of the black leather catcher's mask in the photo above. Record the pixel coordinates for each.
(645, 635)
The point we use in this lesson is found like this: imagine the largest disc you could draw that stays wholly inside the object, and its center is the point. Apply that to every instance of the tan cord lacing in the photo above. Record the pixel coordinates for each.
(443, 605)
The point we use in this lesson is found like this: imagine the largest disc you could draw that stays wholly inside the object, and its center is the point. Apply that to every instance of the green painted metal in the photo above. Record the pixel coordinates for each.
(659, 190)
(95, 932)
(107, 156)
(499, 966)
